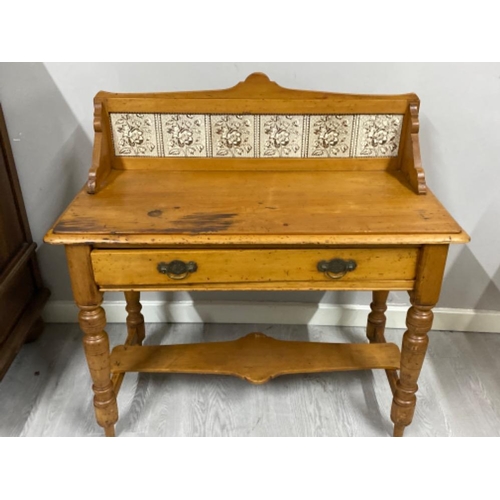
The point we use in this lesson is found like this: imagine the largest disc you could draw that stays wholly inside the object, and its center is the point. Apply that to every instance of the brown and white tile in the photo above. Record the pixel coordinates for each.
(184, 135)
(134, 134)
(281, 136)
(330, 136)
(378, 135)
(233, 135)
(259, 136)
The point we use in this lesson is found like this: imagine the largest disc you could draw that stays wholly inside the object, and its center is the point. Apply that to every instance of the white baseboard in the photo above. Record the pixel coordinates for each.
(289, 313)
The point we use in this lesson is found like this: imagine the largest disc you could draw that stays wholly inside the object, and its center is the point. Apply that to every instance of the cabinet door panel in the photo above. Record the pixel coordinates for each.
(11, 234)
(13, 301)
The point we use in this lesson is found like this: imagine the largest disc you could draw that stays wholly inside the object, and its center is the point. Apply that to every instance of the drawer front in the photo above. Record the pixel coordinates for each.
(182, 268)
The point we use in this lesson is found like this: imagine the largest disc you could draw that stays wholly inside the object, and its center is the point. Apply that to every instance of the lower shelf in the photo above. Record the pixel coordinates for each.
(255, 357)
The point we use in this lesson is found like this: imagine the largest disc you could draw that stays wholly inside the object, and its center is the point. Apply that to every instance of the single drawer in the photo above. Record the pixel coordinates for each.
(183, 268)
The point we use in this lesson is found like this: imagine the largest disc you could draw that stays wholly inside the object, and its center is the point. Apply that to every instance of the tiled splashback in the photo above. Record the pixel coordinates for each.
(256, 136)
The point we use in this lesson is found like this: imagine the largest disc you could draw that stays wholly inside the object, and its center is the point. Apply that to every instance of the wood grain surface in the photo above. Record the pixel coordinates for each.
(139, 267)
(197, 203)
(255, 357)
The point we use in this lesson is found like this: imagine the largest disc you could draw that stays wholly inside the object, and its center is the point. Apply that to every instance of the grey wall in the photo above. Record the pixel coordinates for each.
(49, 109)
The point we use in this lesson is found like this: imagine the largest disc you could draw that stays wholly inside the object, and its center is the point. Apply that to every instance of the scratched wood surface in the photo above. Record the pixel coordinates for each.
(47, 390)
(157, 203)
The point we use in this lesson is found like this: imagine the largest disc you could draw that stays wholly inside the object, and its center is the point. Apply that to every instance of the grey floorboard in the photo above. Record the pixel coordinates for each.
(47, 392)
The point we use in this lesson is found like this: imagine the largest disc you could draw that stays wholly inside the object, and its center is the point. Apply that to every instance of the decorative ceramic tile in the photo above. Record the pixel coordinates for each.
(134, 134)
(233, 135)
(281, 135)
(184, 135)
(378, 135)
(330, 136)
(259, 136)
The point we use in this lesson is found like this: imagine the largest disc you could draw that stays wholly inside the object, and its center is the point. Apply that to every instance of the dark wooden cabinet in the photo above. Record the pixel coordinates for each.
(22, 295)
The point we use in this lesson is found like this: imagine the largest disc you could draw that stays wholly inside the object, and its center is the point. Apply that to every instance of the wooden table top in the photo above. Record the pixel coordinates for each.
(153, 207)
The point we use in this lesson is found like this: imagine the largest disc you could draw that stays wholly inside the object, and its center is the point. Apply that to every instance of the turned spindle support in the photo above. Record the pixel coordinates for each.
(419, 318)
(415, 341)
(92, 319)
(375, 328)
(376, 319)
(135, 320)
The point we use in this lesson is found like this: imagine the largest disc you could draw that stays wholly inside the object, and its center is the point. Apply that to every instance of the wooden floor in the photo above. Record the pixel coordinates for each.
(47, 390)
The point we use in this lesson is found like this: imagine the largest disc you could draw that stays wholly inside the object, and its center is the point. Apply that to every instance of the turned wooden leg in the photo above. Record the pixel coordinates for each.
(135, 320)
(375, 328)
(415, 340)
(423, 297)
(92, 321)
(376, 319)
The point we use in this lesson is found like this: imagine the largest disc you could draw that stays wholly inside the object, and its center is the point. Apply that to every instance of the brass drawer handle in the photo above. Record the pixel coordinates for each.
(177, 269)
(336, 268)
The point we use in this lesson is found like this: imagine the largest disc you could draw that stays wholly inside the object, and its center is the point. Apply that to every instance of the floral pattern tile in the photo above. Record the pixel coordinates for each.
(378, 135)
(184, 135)
(330, 136)
(281, 135)
(233, 135)
(256, 136)
(134, 134)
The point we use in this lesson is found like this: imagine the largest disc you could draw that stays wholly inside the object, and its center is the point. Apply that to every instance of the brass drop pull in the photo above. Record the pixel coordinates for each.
(177, 269)
(336, 268)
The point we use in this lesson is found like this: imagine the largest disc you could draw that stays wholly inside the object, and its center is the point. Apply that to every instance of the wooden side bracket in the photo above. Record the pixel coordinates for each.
(101, 157)
(411, 163)
(255, 357)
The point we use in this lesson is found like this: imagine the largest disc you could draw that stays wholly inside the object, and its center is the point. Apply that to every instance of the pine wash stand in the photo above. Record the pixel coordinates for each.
(256, 187)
